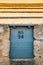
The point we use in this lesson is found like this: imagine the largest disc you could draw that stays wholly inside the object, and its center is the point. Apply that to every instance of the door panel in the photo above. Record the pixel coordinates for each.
(21, 43)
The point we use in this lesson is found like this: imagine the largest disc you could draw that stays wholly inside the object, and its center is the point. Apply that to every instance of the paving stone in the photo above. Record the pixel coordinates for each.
(22, 63)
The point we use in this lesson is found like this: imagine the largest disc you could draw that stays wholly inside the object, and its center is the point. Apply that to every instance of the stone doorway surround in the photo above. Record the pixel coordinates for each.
(5, 43)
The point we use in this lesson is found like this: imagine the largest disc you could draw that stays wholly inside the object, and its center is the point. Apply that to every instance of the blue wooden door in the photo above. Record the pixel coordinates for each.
(21, 43)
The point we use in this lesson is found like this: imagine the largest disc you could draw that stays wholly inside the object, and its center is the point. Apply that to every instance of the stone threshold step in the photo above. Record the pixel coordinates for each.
(32, 59)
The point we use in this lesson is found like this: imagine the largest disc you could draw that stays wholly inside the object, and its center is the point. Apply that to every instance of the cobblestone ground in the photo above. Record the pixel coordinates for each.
(17, 62)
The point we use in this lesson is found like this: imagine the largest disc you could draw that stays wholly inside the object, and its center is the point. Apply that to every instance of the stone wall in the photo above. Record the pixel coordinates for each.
(38, 44)
(4, 43)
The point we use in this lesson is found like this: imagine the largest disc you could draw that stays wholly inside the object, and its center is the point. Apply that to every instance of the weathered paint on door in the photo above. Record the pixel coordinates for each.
(21, 43)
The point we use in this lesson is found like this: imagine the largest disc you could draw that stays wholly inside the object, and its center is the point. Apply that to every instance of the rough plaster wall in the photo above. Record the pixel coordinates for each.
(38, 44)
